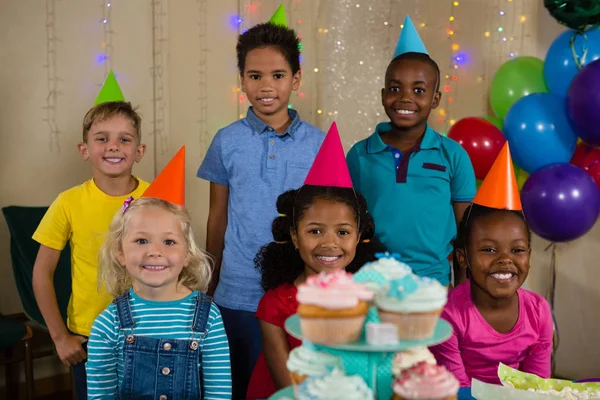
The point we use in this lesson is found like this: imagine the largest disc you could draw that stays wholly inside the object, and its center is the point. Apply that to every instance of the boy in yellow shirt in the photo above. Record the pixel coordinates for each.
(81, 215)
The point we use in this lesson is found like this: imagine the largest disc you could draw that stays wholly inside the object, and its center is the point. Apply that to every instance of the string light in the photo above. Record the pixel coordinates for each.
(203, 92)
(107, 47)
(52, 78)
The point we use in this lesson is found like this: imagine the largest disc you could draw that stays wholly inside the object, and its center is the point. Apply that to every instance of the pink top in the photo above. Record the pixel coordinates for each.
(475, 348)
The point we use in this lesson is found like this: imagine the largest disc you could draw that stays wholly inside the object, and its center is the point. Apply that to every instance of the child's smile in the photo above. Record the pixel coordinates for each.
(498, 254)
(154, 252)
(326, 236)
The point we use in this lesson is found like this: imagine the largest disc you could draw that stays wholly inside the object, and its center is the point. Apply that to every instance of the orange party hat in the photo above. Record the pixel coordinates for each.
(169, 185)
(499, 188)
(330, 167)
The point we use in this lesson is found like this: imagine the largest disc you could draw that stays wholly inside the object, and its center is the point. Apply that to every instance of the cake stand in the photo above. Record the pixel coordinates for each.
(372, 363)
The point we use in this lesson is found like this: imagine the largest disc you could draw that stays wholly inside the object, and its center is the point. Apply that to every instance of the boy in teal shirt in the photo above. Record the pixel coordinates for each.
(417, 182)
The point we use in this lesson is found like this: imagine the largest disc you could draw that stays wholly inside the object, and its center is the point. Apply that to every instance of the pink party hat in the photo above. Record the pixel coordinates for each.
(330, 167)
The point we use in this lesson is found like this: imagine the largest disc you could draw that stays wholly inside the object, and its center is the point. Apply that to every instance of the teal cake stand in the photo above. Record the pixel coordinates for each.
(372, 363)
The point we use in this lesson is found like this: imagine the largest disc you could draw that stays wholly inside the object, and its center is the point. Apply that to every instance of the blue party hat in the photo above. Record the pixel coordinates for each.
(409, 40)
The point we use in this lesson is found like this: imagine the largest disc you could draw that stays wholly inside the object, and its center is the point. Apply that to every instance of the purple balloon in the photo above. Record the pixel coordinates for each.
(561, 202)
(583, 101)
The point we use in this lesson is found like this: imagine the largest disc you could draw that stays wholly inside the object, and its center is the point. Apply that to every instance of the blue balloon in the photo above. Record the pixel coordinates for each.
(560, 67)
(538, 131)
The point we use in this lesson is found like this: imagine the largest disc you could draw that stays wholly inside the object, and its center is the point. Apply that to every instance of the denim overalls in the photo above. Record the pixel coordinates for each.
(161, 369)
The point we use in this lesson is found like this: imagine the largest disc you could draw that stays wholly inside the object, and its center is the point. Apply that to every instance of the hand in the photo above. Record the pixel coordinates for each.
(70, 349)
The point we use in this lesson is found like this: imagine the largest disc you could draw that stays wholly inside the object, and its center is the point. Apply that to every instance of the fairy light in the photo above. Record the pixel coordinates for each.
(457, 59)
(107, 47)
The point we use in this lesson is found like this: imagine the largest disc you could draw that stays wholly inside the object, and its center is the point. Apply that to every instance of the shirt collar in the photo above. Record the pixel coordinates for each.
(259, 126)
(431, 139)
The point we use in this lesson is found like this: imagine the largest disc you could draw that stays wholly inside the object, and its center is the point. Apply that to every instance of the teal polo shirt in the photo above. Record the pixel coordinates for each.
(410, 197)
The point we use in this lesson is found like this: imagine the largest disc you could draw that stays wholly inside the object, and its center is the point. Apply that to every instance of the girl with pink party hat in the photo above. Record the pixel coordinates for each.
(322, 227)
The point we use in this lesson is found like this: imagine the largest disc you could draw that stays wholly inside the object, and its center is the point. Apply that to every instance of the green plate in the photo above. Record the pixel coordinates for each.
(442, 332)
(284, 394)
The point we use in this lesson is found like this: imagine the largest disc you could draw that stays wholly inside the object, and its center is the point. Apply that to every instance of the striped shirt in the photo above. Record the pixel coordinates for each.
(162, 320)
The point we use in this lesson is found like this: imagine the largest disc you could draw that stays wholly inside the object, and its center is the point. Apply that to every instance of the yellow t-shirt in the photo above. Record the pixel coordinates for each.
(81, 215)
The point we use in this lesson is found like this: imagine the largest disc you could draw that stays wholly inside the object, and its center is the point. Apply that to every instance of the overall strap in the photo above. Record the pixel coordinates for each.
(201, 313)
(124, 311)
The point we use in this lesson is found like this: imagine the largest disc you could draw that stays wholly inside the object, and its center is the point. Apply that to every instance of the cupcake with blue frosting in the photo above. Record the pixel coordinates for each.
(334, 386)
(413, 304)
(377, 274)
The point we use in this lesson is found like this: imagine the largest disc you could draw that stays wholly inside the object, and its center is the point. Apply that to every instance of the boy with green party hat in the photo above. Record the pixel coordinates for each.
(81, 215)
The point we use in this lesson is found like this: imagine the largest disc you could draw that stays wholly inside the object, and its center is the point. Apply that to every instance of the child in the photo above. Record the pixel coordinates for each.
(323, 226)
(248, 164)
(417, 182)
(81, 215)
(494, 320)
(162, 337)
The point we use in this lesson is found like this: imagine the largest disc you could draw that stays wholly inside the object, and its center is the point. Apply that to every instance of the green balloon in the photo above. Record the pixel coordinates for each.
(515, 79)
(498, 123)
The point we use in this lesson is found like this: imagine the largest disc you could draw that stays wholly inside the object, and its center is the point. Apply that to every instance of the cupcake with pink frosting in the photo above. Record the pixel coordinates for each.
(425, 381)
(332, 308)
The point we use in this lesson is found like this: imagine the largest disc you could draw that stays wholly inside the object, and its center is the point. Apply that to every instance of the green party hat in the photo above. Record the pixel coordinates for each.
(279, 17)
(110, 90)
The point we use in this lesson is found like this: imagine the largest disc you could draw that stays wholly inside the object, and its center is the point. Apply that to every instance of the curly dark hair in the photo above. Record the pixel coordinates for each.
(269, 35)
(472, 214)
(280, 263)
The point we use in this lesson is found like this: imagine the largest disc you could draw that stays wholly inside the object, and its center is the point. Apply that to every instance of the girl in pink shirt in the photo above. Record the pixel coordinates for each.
(494, 320)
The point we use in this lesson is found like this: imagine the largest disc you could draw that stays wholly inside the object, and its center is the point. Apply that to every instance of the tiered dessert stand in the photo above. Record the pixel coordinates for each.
(372, 363)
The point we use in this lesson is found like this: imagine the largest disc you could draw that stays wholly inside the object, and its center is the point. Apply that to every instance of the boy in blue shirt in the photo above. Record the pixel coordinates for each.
(249, 163)
(417, 182)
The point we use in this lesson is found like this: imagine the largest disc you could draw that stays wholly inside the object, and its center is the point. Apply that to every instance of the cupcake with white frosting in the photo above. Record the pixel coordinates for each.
(334, 386)
(413, 304)
(304, 362)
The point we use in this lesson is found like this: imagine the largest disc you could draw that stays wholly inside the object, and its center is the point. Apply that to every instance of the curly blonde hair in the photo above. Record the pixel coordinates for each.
(114, 277)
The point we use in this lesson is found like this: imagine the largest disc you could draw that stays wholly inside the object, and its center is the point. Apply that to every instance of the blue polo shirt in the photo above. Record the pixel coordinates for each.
(258, 165)
(410, 197)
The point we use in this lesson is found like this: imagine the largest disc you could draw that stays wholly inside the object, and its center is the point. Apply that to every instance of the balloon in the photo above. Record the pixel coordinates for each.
(496, 121)
(516, 78)
(482, 141)
(576, 14)
(539, 132)
(561, 67)
(561, 202)
(584, 103)
(588, 159)
(522, 178)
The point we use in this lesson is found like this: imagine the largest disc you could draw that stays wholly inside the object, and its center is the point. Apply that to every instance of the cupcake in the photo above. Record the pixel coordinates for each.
(377, 274)
(408, 358)
(425, 381)
(332, 308)
(334, 386)
(413, 304)
(304, 362)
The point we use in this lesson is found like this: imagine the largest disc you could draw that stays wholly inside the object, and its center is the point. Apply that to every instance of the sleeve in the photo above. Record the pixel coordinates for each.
(462, 185)
(216, 364)
(448, 353)
(101, 366)
(271, 309)
(54, 229)
(212, 168)
(538, 358)
(353, 161)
